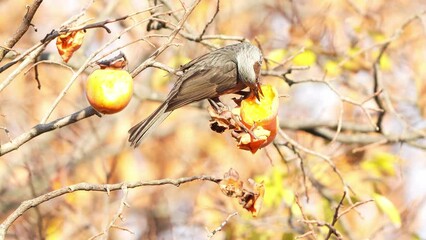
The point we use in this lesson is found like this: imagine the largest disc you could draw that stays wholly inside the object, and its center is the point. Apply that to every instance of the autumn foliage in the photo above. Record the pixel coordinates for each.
(341, 156)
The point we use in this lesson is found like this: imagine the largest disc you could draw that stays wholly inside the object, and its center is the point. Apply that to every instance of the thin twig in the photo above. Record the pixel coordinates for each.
(335, 218)
(7, 132)
(34, 194)
(342, 98)
(355, 205)
(222, 225)
(30, 59)
(327, 159)
(377, 86)
(168, 42)
(49, 62)
(305, 218)
(324, 224)
(118, 215)
(102, 24)
(210, 21)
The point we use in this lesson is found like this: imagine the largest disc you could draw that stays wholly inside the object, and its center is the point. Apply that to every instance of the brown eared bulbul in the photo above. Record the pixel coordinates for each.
(226, 70)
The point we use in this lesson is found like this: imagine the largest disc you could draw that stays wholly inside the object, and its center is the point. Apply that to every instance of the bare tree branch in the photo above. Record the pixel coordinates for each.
(22, 29)
(30, 59)
(336, 216)
(326, 158)
(327, 132)
(65, 29)
(409, 138)
(28, 204)
(46, 127)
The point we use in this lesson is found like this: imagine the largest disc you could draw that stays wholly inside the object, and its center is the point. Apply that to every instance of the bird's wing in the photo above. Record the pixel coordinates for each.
(227, 51)
(202, 82)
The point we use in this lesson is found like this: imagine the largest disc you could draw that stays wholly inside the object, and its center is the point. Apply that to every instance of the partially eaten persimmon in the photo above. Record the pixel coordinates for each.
(260, 117)
(253, 123)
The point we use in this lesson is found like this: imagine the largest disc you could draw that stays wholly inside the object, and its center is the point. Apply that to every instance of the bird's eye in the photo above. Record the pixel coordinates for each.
(256, 68)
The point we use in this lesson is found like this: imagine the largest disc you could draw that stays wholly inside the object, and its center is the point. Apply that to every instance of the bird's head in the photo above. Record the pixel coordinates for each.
(249, 62)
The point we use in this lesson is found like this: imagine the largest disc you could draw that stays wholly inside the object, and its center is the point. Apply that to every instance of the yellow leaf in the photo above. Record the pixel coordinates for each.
(54, 229)
(308, 43)
(332, 68)
(160, 79)
(178, 61)
(288, 196)
(276, 56)
(262, 38)
(295, 210)
(378, 37)
(388, 208)
(355, 62)
(382, 163)
(414, 236)
(306, 58)
(385, 61)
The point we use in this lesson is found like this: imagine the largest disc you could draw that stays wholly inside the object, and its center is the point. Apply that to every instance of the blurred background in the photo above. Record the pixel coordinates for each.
(338, 41)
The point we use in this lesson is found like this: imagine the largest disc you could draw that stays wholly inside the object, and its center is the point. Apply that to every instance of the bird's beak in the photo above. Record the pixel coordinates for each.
(258, 91)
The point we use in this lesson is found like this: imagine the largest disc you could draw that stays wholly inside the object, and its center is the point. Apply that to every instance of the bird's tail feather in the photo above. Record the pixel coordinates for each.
(145, 128)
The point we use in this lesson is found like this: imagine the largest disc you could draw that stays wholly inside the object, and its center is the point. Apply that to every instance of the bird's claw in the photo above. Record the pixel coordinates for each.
(218, 106)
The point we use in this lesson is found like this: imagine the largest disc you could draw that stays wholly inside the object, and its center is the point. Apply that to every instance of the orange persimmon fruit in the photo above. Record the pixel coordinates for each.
(260, 116)
(109, 90)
